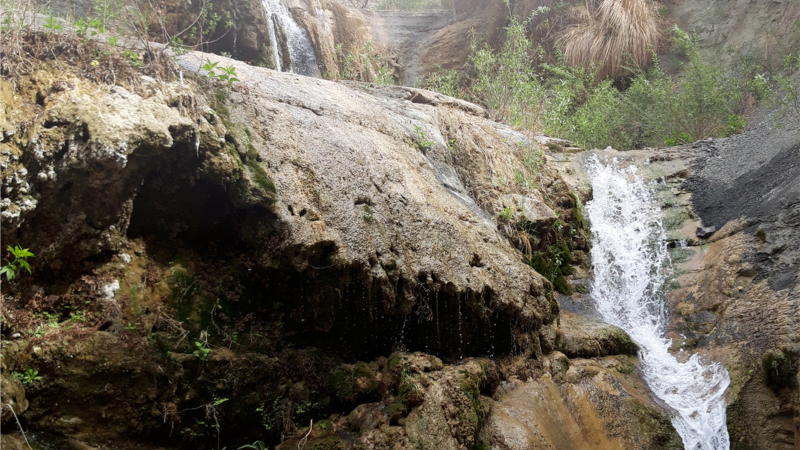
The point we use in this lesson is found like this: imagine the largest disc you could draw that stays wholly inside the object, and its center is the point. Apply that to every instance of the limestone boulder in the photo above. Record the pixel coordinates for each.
(530, 210)
(577, 406)
(585, 337)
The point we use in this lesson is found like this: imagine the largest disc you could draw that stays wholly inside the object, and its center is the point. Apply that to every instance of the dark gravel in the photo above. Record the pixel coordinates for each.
(754, 175)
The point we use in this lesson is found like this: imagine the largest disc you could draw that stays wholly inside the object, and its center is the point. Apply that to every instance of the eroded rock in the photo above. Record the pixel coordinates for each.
(577, 408)
(584, 337)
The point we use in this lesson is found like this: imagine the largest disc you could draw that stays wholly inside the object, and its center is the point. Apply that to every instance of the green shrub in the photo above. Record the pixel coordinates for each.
(445, 82)
(708, 99)
(226, 75)
(201, 350)
(20, 261)
(364, 63)
(598, 122)
(503, 81)
(423, 142)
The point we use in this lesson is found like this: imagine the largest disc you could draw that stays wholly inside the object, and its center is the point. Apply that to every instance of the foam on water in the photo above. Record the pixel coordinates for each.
(629, 254)
(301, 51)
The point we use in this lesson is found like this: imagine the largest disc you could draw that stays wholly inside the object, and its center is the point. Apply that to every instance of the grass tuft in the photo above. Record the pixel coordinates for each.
(615, 35)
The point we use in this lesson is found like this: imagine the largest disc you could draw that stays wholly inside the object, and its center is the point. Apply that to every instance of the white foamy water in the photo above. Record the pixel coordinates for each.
(630, 259)
(301, 51)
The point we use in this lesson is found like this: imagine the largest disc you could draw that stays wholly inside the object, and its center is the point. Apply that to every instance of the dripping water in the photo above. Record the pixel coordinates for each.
(629, 253)
(460, 334)
(403, 329)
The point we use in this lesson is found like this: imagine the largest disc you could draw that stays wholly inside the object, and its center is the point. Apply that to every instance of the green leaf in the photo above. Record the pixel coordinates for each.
(10, 272)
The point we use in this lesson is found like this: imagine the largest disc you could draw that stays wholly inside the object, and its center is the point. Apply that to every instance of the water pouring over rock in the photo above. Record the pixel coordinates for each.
(631, 263)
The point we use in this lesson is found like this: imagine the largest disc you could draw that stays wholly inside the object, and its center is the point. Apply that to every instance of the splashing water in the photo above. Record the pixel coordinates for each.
(631, 262)
(301, 51)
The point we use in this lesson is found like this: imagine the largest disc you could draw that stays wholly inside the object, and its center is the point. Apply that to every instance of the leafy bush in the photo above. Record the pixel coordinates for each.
(597, 122)
(504, 81)
(423, 142)
(521, 85)
(201, 350)
(365, 62)
(227, 75)
(443, 81)
(705, 101)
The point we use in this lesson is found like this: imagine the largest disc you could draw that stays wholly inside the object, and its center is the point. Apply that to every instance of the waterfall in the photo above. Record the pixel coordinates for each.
(631, 262)
(301, 51)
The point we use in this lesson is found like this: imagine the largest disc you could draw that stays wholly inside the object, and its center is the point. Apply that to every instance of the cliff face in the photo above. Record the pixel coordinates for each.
(232, 263)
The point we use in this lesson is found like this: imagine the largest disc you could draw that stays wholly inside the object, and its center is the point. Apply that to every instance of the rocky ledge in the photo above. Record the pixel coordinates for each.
(231, 263)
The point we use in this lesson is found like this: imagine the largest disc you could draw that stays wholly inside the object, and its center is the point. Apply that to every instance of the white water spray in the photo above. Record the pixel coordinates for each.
(630, 258)
(301, 51)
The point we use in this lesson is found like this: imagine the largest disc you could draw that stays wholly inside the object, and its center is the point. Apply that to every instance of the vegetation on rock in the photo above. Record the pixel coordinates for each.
(602, 102)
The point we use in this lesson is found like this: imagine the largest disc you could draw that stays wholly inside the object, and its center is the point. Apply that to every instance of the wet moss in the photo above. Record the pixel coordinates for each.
(348, 381)
(242, 136)
(654, 425)
(561, 285)
(553, 310)
(471, 385)
(779, 368)
(480, 445)
(681, 254)
(625, 367)
(577, 212)
(554, 263)
(258, 173)
(327, 443)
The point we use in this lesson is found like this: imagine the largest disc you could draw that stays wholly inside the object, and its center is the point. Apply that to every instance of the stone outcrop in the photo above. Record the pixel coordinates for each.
(579, 404)
(387, 202)
(411, 35)
(233, 262)
(331, 24)
(585, 337)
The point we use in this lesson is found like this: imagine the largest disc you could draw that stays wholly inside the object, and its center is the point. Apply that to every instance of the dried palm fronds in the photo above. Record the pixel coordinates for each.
(614, 35)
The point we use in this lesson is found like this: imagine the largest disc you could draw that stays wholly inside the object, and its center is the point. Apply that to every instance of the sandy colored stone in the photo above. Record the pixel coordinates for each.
(590, 405)
(584, 337)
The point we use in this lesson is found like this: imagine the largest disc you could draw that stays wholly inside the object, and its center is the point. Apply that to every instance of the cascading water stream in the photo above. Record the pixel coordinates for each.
(631, 262)
(301, 51)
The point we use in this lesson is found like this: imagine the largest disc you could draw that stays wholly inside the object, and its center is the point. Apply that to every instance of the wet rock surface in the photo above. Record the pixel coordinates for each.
(581, 404)
(584, 337)
(733, 292)
(747, 300)
(410, 34)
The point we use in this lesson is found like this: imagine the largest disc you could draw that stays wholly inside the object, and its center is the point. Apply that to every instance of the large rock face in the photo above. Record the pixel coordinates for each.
(236, 255)
(366, 187)
(412, 35)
